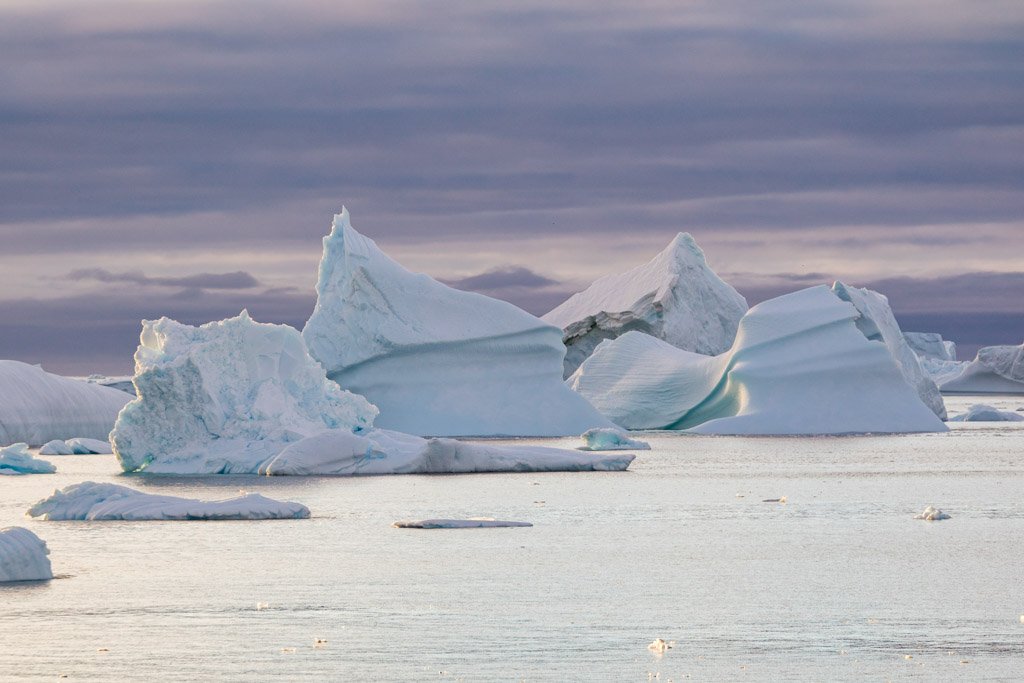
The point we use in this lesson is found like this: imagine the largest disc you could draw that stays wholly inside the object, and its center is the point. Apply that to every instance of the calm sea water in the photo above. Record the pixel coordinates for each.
(840, 582)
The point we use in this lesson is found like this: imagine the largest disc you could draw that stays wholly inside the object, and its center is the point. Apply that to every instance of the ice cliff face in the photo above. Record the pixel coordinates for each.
(930, 345)
(878, 323)
(435, 360)
(226, 396)
(995, 370)
(36, 407)
(23, 556)
(799, 365)
(675, 297)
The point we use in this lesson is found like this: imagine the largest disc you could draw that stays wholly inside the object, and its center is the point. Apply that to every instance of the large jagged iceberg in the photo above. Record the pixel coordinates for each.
(225, 397)
(676, 297)
(436, 361)
(36, 406)
(23, 556)
(799, 365)
(995, 370)
(90, 501)
(930, 345)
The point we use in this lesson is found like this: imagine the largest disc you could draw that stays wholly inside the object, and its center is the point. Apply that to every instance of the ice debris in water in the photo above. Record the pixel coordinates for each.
(471, 523)
(980, 412)
(15, 459)
(606, 439)
(932, 514)
(23, 556)
(661, 646)
(95, 502)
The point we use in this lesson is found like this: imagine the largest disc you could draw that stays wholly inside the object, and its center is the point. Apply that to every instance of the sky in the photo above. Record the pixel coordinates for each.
(185, 158)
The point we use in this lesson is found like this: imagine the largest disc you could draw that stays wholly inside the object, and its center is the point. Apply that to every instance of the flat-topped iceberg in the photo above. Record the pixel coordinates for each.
(930, 345)
(436, 361)
(995, 370)
(36, 406)
(611, 440)
(979, 412)
(878, 323)
(90, 501)
(676, 297)
(799, 365)
(225, 397)
(15, 459)
(23, 556)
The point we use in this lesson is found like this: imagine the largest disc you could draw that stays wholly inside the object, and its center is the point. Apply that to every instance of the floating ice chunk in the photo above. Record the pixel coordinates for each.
(611, 440)
(675, 297)
(799, 366)
(225, 397)
(980, 412)
(23, 556)
(380, 451)
(932, 514)
(435, 360)
(471, 523)
(930, 345)
(15, 459)
(995, 370)
(56, 447)
(878, 323)
(102, 502)
(660, 646)
(82, 446)
(36, 407)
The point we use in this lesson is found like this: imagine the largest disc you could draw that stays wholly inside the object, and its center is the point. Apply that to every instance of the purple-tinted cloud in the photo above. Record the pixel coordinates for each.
(236, 280)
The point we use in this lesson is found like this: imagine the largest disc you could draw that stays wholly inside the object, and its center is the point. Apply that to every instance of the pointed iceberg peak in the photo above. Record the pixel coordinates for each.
(675, 296)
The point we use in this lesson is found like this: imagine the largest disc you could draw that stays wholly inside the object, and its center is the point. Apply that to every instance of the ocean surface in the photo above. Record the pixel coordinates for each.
(840, 582)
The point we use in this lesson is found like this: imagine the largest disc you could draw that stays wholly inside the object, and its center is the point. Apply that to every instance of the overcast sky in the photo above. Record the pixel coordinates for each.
(185, 158)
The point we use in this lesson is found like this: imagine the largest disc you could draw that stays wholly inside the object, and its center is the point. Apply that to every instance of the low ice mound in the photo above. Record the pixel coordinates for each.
(675, 297)
(471, 523)
(15, 459)
(932, 514)
(77, 446)
(930, 345)
(36, 406)
(225, 397)
(435, 360)
(611, 440)
(878, 323)
(980, 412)
(799, 365)
(90, 501)
(23, 556)
(380, 451)
(995, 370)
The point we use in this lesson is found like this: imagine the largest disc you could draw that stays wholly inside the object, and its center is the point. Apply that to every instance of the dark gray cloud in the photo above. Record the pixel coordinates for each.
(236, 280)
(500, 278)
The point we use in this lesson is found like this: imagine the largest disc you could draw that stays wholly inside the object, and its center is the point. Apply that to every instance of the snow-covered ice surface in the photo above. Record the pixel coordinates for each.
(436, 361)
(981, 412)
(675, 297)
(878, 323)
(610, 440)
(838, 584)
(225, 397)
(995, 370)
(930, 345)
(16, 459)
(800, 365)
(23, 556)
(471, 523)
(91, 501)
(381, 451)
(36, 406)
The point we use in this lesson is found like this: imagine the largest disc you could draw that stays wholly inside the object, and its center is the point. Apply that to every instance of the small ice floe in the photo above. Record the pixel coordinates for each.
(76, 446)
(15, 459)
(23, 556)
(471, 523)
(979, 412)
(932, 514)
(260, 606)
(780, 499)
(608, 439)
(660, 646)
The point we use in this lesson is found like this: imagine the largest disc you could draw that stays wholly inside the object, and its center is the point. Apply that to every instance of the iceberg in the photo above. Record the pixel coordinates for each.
(676, 297)
(90, 501)
(436, 361)
(995, 370)
(471, 523)
(979, 412)
(15, 459)
(56, 447)
(799, 365)
(611, 440)
(225, 397)
(930, 345)
(932, 514)
(23, 556)
(36, 406)
(76, 446)
(878, 323)
(942, 371)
